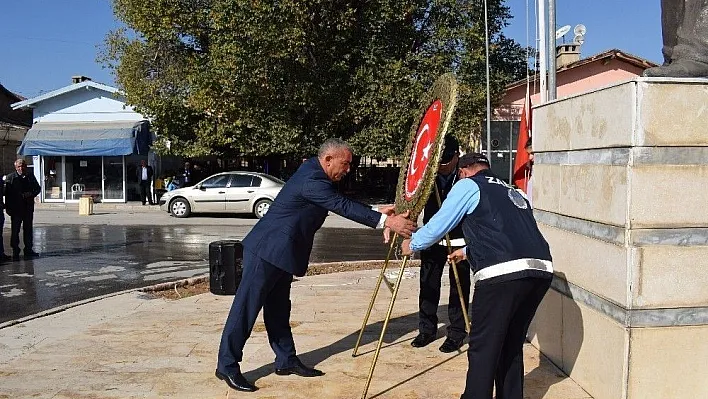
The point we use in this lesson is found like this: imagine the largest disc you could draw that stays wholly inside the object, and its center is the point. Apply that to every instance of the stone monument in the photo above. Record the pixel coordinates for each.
(684, 25)
(619, 191)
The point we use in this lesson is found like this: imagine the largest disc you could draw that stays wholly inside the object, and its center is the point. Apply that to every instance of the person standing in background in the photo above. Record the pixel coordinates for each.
(20, 189)
(145, 175)
(529, 169)
(432, 265)
(3, 257)
(187, 175)
(197, 174)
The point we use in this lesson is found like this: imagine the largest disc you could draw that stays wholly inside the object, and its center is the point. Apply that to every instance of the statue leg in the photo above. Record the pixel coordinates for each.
(689, 57)
(671, 17)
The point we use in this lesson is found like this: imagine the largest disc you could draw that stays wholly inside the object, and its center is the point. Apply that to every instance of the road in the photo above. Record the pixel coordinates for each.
(88, 256)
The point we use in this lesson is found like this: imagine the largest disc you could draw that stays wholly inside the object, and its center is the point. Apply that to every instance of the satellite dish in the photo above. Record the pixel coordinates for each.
(579, 39)
(562, 31)
(580, 30)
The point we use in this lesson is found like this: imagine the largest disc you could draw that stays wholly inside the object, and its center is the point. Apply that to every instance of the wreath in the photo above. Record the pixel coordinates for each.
(424, 147)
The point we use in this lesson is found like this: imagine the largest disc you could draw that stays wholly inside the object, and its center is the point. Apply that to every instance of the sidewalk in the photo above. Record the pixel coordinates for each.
(127, 214)
(133, 206)
(132, 346)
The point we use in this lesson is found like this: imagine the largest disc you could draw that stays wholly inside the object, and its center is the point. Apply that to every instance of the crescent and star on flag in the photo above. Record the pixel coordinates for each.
(417, 177)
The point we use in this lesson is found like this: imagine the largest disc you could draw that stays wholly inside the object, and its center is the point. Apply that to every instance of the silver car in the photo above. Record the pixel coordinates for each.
(227, 192)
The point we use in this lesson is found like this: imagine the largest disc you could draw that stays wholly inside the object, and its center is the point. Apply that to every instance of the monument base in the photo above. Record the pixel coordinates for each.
(619, 181)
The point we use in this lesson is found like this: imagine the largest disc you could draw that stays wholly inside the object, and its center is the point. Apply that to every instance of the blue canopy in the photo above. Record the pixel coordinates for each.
(87, 139)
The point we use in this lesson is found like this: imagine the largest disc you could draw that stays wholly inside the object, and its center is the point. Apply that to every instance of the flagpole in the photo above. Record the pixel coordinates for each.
(542, 49)
(551, 50)
(489, 101)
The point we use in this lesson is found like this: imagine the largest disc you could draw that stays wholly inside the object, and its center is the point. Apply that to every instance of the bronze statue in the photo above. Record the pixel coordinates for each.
(684, 25)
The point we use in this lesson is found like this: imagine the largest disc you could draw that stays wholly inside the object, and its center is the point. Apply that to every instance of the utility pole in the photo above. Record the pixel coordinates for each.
(489, 101)
(542, 49)
(551, 50)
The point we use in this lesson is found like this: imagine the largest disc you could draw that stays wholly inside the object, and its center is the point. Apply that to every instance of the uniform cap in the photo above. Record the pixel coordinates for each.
(451, 148)
(471, 159)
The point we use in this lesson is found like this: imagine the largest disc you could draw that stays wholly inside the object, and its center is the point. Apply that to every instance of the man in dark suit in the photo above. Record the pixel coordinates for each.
(3, 256)
(278, 248)
(187, 175)
(145, 175)
(20, 189)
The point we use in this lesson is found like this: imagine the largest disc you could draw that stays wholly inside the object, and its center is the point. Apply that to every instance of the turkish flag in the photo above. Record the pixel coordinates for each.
(522, 164)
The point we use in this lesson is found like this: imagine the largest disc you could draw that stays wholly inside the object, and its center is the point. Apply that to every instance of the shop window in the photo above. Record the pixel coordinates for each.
(84, 177)
(113, 177)
(53, 175)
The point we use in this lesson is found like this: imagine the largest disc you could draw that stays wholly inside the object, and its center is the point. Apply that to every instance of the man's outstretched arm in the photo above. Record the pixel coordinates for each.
(322, 193)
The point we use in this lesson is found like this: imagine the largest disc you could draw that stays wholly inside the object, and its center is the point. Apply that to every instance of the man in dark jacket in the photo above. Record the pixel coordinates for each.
(3, 256)
(187, 175)
(432, 265)
(20, 189)
(512, 272)
(278, 248)
(145, 175)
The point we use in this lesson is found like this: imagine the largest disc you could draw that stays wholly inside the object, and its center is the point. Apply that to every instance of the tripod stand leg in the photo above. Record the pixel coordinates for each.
(459, 288)
(376, 291)
(385, 325)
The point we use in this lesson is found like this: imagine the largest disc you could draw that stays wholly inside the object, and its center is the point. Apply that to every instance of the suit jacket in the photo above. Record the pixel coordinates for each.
(139, 173)
(284, 236)
(15, 187)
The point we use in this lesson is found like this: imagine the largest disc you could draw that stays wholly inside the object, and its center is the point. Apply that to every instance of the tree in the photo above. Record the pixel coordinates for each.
(263, 77)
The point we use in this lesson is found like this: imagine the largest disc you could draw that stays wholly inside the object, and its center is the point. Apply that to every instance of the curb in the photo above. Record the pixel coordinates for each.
(175, 284)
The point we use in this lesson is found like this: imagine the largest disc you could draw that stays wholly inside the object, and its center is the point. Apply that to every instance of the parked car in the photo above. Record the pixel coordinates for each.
(227, 192)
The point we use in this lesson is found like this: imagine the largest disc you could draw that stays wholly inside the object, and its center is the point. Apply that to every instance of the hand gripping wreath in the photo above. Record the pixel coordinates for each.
(424, 146)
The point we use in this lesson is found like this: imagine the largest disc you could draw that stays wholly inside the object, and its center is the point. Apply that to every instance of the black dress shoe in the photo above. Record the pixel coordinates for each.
(451, 345)
(31, 254)
(5, 258)
(299, 369)
(236, 381)
(422, 340)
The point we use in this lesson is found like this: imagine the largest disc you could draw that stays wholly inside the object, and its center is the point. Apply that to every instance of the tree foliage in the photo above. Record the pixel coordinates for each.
(262, 77)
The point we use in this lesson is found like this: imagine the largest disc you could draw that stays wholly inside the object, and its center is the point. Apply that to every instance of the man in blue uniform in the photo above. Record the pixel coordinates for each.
(512, 269)
(278, 248)
(432, 265)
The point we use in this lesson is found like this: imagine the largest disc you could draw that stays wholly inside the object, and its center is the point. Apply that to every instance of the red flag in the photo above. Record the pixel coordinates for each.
(522, 164)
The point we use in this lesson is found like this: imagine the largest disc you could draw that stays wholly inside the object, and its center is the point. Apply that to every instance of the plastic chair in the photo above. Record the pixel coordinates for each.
(77, 189)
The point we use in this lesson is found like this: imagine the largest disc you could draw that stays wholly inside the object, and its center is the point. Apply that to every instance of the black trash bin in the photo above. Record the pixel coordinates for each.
(225, 266)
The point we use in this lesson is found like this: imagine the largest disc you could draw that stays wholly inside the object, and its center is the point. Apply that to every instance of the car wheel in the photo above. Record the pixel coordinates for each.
(180, 208)
(261, 207)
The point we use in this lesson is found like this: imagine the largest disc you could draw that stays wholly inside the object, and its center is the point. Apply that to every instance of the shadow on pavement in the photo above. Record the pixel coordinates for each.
(541, 378)
(397, 328)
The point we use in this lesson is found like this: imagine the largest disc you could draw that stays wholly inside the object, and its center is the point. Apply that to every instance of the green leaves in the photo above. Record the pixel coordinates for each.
(262, 77)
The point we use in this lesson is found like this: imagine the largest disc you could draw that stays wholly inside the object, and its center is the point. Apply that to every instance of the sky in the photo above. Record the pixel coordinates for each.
(46, 42)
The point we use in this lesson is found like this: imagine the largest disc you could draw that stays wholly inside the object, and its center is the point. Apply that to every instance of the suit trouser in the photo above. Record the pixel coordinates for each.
(501, 314)
(145, 192)
(2, 225)
(433, 261)
(24, 220)
(263, 286)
